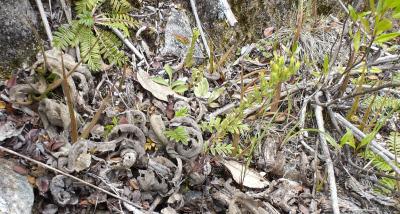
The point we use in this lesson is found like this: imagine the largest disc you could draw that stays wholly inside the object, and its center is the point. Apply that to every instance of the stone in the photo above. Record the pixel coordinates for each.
(177, 29)
(16, 195)
(17, 39)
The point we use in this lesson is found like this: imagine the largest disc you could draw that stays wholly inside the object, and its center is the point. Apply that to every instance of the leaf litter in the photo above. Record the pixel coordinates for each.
(136, 152)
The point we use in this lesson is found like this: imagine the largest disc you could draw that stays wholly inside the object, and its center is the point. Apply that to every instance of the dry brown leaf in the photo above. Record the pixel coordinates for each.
(268, 31)
(250, 179)
(159, 91)
(2, 104)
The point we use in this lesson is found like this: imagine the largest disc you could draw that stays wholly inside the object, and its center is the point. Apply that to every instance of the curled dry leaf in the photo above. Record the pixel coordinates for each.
(242, 175)
(268, 31)
(159, 91)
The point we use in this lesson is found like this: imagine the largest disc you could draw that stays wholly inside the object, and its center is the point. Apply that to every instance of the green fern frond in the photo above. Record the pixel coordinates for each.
(116, 25)
(86, 19)
(92, 16)
(221, 149)
(394, 143)
(87, 40)
(178, 134)
(182, 112)
(122, 18)
(87, 5)
(388, 182)
(377, 161)
(387, 102)
(120, 6)
(65, 36)
(109, 47)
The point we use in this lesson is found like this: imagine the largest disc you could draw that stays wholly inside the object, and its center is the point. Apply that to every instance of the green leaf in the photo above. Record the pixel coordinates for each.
(178, 134)
(363, 14)
(383, 25)
(215, 94)
(353, 13)
(366, 140)
(376, 70)
(160, 81)
(201, 89)
(169, 71)
(180, 89)
(386, 37)
(326, 65)
(178, 83)
(390, 4)
(372, 5)
(331, 141)
(365, 24)
(348, 139)
(396, 15)
(120, 6)
(356, 41)
(188, 62)
(182, 112)
(86, 19)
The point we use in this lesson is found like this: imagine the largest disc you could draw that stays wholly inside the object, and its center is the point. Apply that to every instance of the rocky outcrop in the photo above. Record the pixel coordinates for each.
(17, 40)
(16, 195)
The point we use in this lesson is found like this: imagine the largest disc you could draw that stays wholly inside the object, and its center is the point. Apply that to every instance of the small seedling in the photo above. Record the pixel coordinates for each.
(179, 86)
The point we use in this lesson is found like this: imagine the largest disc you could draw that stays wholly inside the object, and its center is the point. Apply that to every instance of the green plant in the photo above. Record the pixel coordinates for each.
(109, 127)
(220, 148)
(178, 86)
(280, 72)
(220, 128)
(179, 134)
(369, 27)
(95, 19)
(201, 90)
(190, 53)
(382, 103)
(182, 112)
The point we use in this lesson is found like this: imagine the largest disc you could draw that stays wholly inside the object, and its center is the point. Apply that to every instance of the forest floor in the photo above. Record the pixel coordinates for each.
(288, 110)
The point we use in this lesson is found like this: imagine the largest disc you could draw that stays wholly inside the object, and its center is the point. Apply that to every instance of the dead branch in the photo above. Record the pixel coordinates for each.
(328, 160)
(198, 23)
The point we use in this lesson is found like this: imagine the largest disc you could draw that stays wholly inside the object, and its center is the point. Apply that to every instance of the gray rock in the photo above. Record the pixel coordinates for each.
(16, 195)
(17, 41)
(178, 25)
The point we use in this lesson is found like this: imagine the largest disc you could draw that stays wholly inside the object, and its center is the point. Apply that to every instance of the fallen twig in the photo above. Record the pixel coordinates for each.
(70, 176)
(128, 43)
(44, 20)
(328, 160)
(228, 13)
(367, 91)
(198, 23)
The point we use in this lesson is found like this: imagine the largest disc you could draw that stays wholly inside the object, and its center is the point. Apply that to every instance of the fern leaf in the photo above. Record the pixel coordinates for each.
(93, 56)
(116, 25)
(178, 134)
(64, 36)
(394, 143)
(109, 47)
(120, 6)
(122, 18)
(87, 5)
(86, 19)
(377, 161)
(387, 102)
